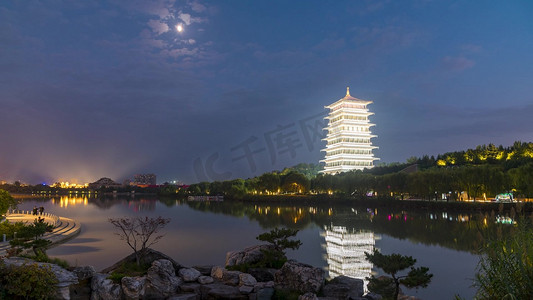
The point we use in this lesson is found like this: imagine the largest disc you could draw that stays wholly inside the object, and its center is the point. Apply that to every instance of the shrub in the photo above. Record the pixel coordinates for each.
(29, 281)
(117, 277)
(131, 269)
(505, 270)
(280, 294)
(279, 238)
(42, 257)
(392, 264)
(9, 229)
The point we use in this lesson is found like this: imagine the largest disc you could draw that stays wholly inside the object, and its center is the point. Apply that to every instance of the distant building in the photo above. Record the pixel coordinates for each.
(348, 139)
(103, 182)
(144, 179)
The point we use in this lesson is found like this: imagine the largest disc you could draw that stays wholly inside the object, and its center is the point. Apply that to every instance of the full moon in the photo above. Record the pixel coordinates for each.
(179, 28)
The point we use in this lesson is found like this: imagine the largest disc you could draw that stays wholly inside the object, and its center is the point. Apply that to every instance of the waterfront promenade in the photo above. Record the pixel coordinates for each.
(64, 228)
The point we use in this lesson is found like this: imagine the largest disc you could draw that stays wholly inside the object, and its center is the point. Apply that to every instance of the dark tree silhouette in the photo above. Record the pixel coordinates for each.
(389, 287)
(138, 232)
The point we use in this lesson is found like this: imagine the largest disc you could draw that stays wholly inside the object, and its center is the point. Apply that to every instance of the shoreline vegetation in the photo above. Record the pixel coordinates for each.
(473, 177)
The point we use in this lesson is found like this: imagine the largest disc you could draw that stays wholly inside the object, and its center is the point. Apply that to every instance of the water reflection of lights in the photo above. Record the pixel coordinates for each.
(65, 201)
(505, 220)
(346, 252)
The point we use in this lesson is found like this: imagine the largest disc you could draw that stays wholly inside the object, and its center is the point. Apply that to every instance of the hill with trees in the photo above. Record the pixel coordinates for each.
(477, 173)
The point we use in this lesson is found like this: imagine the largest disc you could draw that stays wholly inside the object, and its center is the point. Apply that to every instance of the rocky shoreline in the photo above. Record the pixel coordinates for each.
(167, 279)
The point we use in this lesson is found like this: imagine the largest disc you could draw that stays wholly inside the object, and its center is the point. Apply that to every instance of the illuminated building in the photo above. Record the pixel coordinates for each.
(103, 183)
(346, 252)
(348, 139)
(144, 179)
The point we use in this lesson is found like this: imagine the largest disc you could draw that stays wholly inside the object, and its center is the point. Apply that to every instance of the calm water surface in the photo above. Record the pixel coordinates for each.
(334, 237)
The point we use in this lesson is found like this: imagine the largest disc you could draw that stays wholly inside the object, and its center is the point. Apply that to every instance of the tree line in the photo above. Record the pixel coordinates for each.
(485, 171)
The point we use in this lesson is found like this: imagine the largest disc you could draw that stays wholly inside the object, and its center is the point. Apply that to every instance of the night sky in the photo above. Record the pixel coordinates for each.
(92, 89)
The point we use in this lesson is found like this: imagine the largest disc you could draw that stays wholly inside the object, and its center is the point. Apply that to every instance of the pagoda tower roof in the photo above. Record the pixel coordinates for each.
(348, 98)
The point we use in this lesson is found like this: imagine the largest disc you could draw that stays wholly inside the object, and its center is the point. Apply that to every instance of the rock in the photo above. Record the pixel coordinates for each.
(205, 270)
(406, 297)
(262, 274)
(189, 274)
(147, 258)
(308, 296)
(185, 297)
(104, 289)
(246, 289)
(82, 290)
(161, 280)
(246, 279)
(65, 278)
(372, 296)
(84, 273)
(300, 277)
(221, 291)
(227, 277)
(133, 287)
(265, 294)
(205, 279)
(250, 255)
(344, 287)
(217, 272)
(190, 287)
(262, 285)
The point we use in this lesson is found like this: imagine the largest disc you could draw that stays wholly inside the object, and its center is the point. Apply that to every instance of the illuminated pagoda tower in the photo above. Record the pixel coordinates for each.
(348, 139)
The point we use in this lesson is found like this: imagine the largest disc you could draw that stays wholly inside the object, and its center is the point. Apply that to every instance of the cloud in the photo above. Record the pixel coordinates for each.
(459, 63)
(158, 27)
(197, 7)
(186, 18)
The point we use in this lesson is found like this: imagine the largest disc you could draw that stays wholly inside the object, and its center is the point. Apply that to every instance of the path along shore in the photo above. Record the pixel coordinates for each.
(64, 228)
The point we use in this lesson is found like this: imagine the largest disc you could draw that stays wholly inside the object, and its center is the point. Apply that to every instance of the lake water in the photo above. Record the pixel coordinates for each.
(334, 237)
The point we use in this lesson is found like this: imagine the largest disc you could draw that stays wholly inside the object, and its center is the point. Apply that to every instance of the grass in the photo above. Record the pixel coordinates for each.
(42, 257)
(129, 269)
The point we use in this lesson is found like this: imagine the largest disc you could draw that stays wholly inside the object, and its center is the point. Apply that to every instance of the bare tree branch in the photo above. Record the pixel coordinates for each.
(138, 231)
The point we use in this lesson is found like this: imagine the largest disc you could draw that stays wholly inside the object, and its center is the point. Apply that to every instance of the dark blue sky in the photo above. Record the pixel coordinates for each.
(111, 88)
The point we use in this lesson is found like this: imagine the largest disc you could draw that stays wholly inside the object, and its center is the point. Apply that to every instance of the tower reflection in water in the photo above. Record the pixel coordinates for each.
(345, 250)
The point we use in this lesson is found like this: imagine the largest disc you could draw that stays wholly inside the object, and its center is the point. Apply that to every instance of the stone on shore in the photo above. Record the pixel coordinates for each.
(133, 287)
(205, 279)
(225, 276)
(221, 291)
(344, 287)
(84, 273)
(189, 274)
(250, 255)
(205, 270)
(308, 296)
(300, 277)
(246, 279)
(104, 288)
(147, 258)
(161, 280)
(262, 274)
